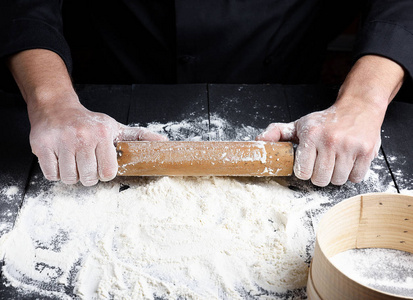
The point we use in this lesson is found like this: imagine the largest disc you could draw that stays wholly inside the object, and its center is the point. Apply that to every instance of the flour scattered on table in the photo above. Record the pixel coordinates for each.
(9, 192)
(199, 129)
(198, 238)
(172, 238)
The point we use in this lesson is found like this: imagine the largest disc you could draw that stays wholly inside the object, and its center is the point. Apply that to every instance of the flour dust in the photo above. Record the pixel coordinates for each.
(172, 237)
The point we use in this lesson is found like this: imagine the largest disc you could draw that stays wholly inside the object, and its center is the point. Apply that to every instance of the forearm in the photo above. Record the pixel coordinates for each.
(41, 76)
(371, 84)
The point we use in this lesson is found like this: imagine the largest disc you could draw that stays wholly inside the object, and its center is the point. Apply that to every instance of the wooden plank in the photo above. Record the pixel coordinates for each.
(304, 99)
(37, 183)
(170, 106)
(8, 292)
(15, 157)
(113, 100)
(397, 138)
(245, 109)
(15, 164)
(164, 103)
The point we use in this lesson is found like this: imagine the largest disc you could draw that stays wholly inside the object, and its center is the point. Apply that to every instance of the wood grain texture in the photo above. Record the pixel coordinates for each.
(205, 158)
(397, 138)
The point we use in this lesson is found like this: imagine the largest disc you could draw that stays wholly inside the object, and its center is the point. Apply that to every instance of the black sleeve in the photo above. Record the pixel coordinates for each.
(387, 30)
(32, 24)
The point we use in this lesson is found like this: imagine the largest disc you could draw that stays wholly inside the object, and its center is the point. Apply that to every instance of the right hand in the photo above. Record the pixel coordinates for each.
(73, 143)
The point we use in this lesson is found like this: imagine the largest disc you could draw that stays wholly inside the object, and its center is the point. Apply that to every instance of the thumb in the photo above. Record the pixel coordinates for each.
(276, 132)
(127, 133)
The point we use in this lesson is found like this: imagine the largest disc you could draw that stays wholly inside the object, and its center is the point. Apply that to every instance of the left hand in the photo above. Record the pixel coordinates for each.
(340, 142)
(334, 145)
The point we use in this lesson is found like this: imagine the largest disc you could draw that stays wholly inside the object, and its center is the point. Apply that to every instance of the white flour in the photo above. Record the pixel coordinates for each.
(198, 129)
(199, 238)
(170, 238)
(386, 270)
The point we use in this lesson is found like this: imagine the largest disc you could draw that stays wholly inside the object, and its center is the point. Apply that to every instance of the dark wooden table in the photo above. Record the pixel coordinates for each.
(253, 105)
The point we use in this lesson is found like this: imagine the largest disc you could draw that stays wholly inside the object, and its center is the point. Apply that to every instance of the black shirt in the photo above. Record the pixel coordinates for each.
(215, 41)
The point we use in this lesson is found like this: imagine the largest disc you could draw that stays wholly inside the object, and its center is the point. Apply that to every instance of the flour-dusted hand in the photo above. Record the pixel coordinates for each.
(334, 145)
(73, 143)
(340, 142)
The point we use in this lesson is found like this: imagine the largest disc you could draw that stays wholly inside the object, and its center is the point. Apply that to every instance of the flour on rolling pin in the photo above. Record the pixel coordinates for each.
(216, 158)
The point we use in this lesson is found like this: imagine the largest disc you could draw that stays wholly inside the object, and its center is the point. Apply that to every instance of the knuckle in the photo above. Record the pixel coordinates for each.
(88, 175)
(356, 178)
(88, 178)
(102, 131)
(39, 151)
(366, 149)
(89, 181)
(41, 146)
(72, 179)
(332, 140)
(83, 134)
(310, 131)
(349, 144)
(302, 173)
(143, 134)
(339, 180)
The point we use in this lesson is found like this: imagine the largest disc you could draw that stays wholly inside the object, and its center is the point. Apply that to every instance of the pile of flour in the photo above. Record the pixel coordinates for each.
(196, 238)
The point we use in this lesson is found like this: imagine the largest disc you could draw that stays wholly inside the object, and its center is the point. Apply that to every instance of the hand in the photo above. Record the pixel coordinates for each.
(340, 142)
(73, 143)
(334, 145)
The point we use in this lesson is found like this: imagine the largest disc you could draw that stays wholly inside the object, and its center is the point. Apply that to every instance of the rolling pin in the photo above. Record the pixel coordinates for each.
(189, 158)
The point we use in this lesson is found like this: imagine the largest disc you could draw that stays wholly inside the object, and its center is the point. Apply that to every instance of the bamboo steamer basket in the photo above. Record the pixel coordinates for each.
(377, 220)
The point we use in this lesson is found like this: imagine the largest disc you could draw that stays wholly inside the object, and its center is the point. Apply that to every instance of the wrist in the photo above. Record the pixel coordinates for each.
(371, 84)
(42, 77)
(45, 104)
(47, 97)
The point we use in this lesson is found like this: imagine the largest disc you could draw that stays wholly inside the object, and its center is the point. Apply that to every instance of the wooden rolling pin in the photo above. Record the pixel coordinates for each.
(205, 158)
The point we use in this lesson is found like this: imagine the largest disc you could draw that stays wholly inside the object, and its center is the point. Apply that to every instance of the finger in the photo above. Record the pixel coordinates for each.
(305, 156)
(49, 165)
(278, 132)
(360, 169)
(139, 134)
(67, 167)
(87, 166)
(106, 160)
(342, 169)
(323, 168)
